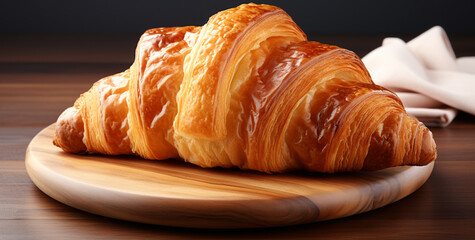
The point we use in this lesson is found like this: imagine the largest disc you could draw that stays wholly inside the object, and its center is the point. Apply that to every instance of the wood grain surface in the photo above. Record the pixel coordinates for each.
(42, 74)
(175, 193)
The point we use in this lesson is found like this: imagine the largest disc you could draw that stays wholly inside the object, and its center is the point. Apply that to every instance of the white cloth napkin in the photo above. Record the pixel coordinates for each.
(431, 82)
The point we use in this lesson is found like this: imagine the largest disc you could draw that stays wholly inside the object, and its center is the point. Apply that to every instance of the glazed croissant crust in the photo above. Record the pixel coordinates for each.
(247, 90)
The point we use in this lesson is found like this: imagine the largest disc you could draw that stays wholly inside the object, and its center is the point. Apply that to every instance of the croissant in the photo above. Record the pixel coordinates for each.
(246, 90)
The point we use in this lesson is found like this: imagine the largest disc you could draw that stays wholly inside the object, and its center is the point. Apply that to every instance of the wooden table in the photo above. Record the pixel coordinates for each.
(40, 75)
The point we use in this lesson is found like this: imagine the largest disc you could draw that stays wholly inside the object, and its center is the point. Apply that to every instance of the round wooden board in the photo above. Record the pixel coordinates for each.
(175, 193)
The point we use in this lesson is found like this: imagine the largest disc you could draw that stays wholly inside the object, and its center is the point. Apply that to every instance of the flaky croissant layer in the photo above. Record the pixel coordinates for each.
(247, 90)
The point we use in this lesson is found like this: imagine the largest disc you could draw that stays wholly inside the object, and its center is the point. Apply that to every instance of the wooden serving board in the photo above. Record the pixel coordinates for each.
(175, 193)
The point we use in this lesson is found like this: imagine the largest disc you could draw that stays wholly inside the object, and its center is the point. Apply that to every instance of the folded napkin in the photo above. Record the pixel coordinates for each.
(424, 72)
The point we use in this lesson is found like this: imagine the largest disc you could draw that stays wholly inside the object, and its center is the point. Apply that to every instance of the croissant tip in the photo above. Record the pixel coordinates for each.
(428, 149)
(55, 142)
(68, 131)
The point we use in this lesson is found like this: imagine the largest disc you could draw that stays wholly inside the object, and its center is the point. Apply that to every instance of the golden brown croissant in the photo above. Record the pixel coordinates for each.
(248, 90)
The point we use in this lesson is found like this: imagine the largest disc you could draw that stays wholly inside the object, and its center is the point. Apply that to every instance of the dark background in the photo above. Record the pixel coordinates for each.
(314, 17)
(101, 35)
